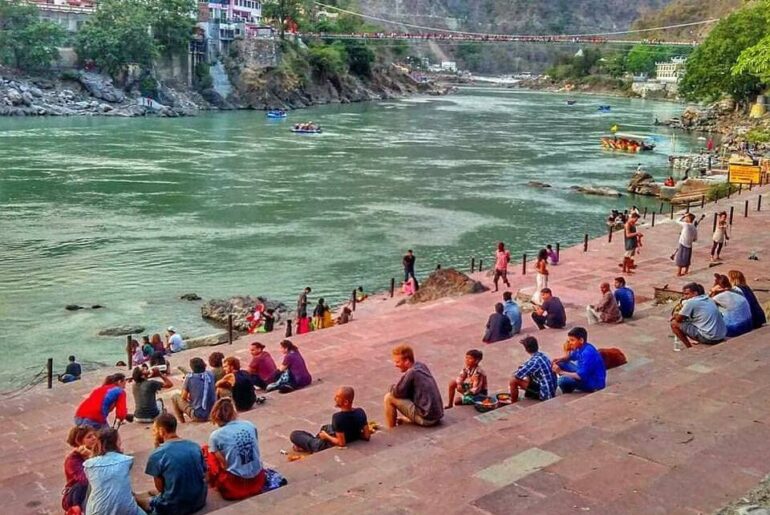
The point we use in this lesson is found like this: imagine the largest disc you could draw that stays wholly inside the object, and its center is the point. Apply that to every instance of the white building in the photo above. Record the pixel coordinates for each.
(671, 71)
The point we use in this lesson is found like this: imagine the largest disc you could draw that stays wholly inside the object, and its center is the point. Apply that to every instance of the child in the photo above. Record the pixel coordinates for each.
(409, 287)
(471, 384)
(720, 236)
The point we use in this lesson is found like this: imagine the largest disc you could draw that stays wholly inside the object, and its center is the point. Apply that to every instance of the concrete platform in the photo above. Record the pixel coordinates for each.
(673, 433)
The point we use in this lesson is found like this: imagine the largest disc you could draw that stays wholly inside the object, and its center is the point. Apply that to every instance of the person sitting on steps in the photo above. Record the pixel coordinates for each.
(348, 425)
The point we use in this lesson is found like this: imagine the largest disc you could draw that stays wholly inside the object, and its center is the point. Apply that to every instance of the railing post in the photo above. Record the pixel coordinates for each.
(746, 209)
(687, 208)
(49, 372)
(740, 188)
(732, 210)
(653, 218)
(585, 243)
(473, 265)
(672, 211)
(751, 185)
(481, 263)
(392, 286)
(714, 226)
(524, 264)
(128, 351)
(759, 203)
(702, 201)
(230, 329)
(609, 236)
(661, 209)
(558, 250)
(729, 189)
(645, 214)
(353, 299)
(288, 328)
(438, 266)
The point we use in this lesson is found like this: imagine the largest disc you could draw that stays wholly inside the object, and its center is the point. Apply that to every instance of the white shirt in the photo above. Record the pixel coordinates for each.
(176, 343)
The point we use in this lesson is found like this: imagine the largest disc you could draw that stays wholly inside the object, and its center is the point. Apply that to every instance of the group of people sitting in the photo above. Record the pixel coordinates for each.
(261, 319)
(729, 309)
(322, 316)
(231, 460)
(153, 350)
(98, 472)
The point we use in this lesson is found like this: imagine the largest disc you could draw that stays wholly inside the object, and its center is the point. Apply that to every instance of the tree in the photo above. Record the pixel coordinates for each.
(710, 73)
(26, 41)
(328, 60)
(282, 11)
(118, 34)
(643, 58)
(359, 57)
(755, 61)
(173, 23)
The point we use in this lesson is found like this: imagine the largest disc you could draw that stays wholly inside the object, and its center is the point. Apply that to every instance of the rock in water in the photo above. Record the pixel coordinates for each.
(217, 310)
(190, 296)
(642, 183)
(538, 184)
(592, 190)
(446, 282)
(122, 330)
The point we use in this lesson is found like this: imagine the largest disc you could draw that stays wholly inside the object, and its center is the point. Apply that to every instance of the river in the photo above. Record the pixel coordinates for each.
(131, 213)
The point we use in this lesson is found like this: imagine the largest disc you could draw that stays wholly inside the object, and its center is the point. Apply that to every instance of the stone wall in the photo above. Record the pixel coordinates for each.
(258, 53)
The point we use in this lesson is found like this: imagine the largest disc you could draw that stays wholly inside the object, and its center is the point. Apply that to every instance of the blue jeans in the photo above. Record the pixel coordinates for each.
(80, 421)
(567, 384)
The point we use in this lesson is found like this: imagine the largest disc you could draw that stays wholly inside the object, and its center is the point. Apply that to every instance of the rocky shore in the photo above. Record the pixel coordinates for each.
(84, 93)
(88, 94)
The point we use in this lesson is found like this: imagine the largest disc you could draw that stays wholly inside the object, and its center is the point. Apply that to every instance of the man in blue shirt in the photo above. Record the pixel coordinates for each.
(198, 394)
(535, 376)
(625, 297)
(512, 311)
(699, 318)
(178, 470)
(583, 368)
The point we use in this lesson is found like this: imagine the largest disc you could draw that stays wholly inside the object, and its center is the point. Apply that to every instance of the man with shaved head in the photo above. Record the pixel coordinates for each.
(348, 425)
(607, 310)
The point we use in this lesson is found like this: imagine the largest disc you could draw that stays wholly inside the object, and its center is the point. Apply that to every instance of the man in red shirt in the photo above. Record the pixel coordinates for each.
(111, 395)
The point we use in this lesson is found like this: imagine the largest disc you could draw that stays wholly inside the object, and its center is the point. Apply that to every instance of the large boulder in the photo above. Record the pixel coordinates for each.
(122, 330)
(446, 282)
(14, 97)
(101, 87)
(217, 310)
(600, 191)
(642, 183)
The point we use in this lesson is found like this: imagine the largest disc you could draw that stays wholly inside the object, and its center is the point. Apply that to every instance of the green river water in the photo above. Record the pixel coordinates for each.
(131, 213)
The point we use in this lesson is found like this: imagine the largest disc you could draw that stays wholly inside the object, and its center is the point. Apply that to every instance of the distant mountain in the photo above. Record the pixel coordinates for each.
(686, 11)
(510, 17)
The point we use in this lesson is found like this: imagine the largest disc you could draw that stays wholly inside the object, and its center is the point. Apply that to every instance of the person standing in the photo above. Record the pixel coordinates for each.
(502, 258)
(302, 303)
(631, 242)
(408, 262)
(178, 470)
(541, 278)
(689, 234)
(720, 236)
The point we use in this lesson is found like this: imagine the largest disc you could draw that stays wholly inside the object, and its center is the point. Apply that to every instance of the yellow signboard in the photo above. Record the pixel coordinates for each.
(744, 174)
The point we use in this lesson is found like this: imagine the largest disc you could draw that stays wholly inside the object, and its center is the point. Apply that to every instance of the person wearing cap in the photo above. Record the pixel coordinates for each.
(174, 341)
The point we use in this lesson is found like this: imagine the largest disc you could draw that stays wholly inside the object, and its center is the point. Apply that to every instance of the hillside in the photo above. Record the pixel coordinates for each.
(686, 11)
(509, 17)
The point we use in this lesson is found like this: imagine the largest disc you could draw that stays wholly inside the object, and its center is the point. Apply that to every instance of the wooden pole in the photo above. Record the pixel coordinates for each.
(740, 188)
(609, 236)
(714, 228)
(759, 203)
(353, 299)
(653, 218)
(49, 372)
(128, 351)
(392, 286)
(585, 243)
(746, 210)
(645, 214)
(702, 201)
(732, 210)
(288, 328)
(524, 265)
(481, 263)
(230, 329)
(672, 211)
(473, 265)
(558, 250)
(661, 209)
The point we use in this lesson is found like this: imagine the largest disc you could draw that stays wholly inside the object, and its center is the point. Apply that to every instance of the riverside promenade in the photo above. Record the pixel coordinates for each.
(673, 433)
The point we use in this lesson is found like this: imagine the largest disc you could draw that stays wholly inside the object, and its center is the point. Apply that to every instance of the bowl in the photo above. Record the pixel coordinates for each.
(504, 398)
(486, 404)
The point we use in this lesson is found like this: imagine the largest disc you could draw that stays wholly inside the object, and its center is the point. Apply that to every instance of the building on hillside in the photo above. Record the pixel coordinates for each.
(670, 71)
(70, 14)
(223, 21)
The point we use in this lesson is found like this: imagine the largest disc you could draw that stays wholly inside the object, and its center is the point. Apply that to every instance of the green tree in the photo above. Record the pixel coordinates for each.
(173, 23)
(282, 11)
(359, 58)
(642, 58)
(709, 72)
(26, 41)
(755, 61)
(328, 60)
(118, 34)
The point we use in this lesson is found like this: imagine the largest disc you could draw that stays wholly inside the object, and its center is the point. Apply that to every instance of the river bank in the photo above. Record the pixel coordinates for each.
(81, 93)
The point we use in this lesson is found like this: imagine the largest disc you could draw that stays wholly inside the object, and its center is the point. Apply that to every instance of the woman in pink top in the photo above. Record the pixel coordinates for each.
(501, 264)
(262, 369)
